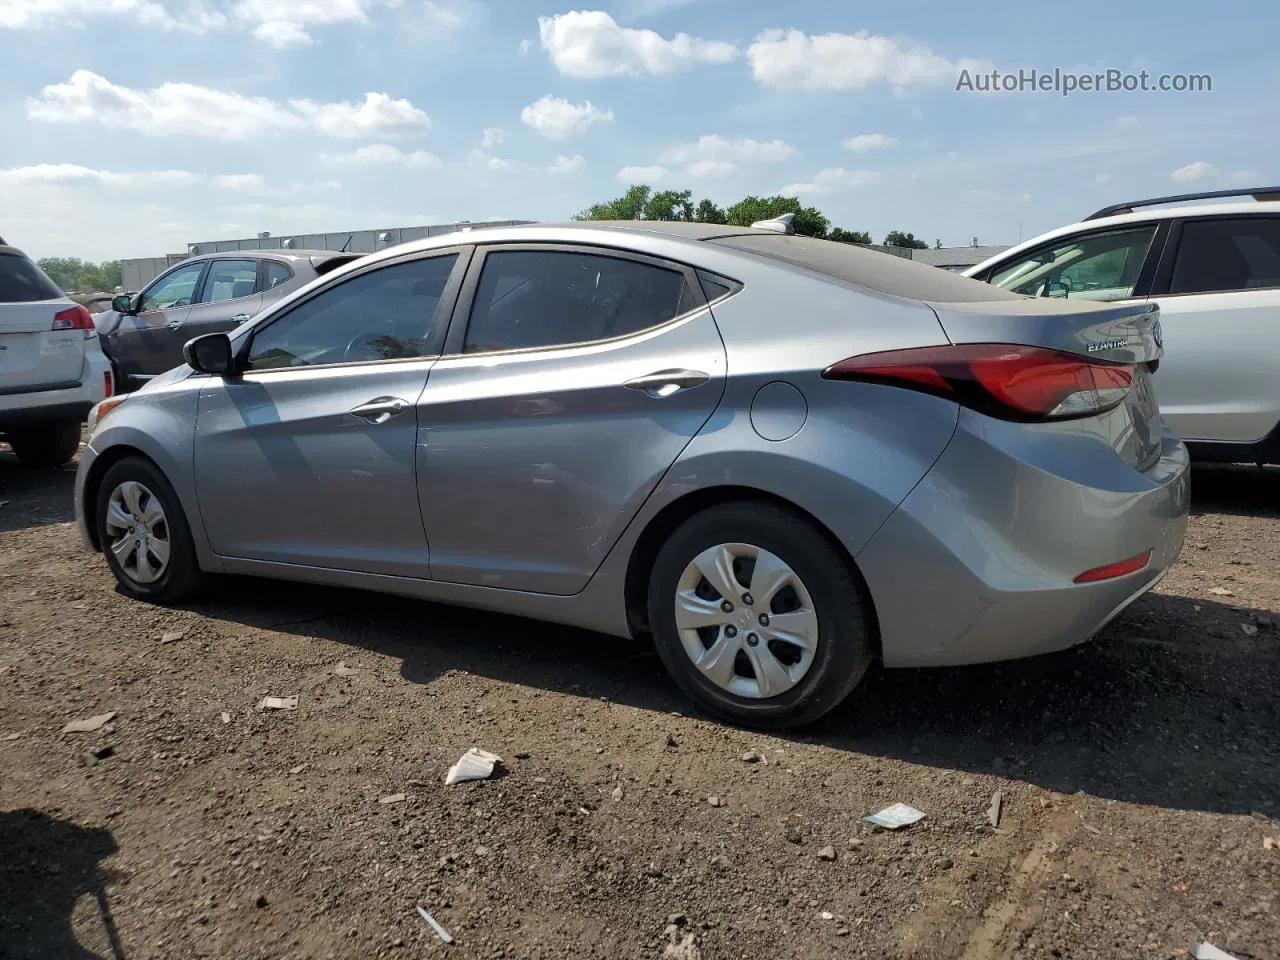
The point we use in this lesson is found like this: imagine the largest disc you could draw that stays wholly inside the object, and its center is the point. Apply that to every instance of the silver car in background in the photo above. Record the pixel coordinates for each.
(779, 456)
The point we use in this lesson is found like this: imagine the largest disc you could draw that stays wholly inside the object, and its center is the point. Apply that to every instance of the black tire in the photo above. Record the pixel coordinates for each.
(183, 577)
(844, 649)
(46, 445)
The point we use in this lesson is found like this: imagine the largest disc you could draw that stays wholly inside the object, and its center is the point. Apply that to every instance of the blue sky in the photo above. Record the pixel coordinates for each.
(132, 127)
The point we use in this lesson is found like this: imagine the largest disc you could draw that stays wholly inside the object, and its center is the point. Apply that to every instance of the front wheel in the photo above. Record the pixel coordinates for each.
(144, 533)
(757, 616)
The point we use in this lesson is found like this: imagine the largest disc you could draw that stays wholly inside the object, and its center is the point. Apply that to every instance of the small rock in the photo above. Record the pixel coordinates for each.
(943, 863)
(721, 863)
(793, 834)
(294, 771)
(827, 853)
(1250, 629)
(855, 843)
(172, 636)
(482, 851)
(842, 931)
(1264, 623)
(670, 741)
(89, 725)
(522, 754)
(715, 801)
(225, 717)
(617, 793)
(1221, 592)
(101, 753)
(261, 901)
(751, 756)
(394, 798)
(827, 915)
(685, 948)
(676, 919)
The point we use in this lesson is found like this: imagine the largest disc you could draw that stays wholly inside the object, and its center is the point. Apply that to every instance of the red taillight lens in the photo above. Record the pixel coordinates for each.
(1113, 570)
(1010, 381)
(73, 318)
(106, 382)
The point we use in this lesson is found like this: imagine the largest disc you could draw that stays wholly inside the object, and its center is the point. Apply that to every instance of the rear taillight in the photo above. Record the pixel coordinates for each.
(106, 382)
(1009, 381)
(73, 318)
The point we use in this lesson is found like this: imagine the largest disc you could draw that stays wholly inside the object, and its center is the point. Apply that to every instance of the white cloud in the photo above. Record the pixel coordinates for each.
(711, 168)
(50, 174)
(591, 44)
(1192, 171)
(557, 118)
(863, 142)
(184, 109)
(282, 34)
(383, 154)
(497, 164)
(791, 59)
(525, 46)
(241, 182)
(493, 136)
(283, 23)
(713, 147)
(651, 174)
(563, 164)
(830, 180)
(1102, 178)
(35, 14)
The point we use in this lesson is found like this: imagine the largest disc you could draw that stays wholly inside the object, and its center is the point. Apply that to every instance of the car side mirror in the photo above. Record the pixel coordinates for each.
(210, 354)
(122, 303)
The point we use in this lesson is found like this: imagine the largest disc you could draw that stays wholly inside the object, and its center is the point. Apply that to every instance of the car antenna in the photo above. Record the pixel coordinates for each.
(347, 244)
(782, 224)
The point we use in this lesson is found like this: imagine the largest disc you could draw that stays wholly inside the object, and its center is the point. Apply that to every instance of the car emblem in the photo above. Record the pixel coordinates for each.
(1158, 334)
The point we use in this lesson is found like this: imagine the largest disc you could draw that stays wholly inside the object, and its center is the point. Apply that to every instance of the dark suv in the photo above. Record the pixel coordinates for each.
(143, 333)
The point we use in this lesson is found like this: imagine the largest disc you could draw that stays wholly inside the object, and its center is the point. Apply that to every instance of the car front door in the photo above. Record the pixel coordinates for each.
(308, 457)
(573, 378)
(229, 295)
(141, 345)
(1219, 296)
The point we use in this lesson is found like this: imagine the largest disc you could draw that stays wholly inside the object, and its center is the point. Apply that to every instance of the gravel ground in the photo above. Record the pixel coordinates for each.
(1139, 776)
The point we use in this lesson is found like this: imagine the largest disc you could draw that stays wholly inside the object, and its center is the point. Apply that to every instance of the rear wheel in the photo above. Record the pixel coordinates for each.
(46, 445)
(757, 616)
(144, 533)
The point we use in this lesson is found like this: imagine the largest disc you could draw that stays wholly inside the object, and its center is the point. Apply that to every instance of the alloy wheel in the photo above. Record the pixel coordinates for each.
(139, 532)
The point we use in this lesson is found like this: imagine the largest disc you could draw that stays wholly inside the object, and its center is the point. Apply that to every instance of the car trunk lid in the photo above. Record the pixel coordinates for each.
(34, 356)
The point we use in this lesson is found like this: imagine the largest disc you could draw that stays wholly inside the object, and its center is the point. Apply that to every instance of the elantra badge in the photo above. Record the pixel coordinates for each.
(1107, 345)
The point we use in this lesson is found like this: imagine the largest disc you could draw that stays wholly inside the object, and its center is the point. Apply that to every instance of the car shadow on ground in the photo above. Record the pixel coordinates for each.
(46, 866)
(1167, 707)
(1238, 489)
(34, 496)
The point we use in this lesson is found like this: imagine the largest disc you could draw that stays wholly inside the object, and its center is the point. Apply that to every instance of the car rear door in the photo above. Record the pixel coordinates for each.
(34, 356)
(1218, 287)
(230, 293)
(141, 345)
(573, 378)
(309, 457)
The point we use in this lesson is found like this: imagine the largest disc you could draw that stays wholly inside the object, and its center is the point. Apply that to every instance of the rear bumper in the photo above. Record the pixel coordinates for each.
(64, 403)
(978, 563)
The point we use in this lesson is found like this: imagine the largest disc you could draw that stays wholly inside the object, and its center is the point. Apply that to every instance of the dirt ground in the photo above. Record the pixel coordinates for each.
(1140, 776)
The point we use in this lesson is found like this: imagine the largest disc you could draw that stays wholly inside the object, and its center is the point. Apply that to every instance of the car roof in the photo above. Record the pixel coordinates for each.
(265, 253)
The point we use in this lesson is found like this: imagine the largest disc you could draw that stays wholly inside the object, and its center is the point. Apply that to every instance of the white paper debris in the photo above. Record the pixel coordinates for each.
(996, 808)
(475, 764)
(172, 636)
(225, 717)
(895, 816)
(89, 725)
(440, 931)
(395, 798)
(1221, 592)
(1250, 630)
(1207, 951)
(278, 703)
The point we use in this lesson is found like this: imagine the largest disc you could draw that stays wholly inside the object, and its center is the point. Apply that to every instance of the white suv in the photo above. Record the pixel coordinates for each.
(1215, 271)
(52, 370)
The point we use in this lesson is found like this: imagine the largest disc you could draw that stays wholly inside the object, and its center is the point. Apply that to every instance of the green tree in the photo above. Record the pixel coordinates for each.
(64, 271)
(808, 222)
(708, 212)
(629, 206)
(112, 277)
(896, 238)
(840, 235)
(74, 275)
(669, 205)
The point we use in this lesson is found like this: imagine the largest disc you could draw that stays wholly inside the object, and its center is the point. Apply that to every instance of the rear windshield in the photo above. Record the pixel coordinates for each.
(21, 281)
(883, 272)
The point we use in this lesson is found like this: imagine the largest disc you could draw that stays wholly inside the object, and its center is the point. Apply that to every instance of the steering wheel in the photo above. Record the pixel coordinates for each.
(362, 340)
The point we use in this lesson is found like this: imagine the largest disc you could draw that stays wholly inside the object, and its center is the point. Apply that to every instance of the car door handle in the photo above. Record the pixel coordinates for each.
(174, 324)
(665, 383)
(380, 409)
(240, 318)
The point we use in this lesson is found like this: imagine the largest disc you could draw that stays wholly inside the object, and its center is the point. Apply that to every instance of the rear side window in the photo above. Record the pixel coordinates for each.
(230, 280)
(882, 272)
(274, 274)
(21, 281)
(547, 298)
(1231, 254)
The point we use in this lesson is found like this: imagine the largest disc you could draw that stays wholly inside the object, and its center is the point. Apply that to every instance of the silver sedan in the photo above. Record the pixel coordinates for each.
(780, 457)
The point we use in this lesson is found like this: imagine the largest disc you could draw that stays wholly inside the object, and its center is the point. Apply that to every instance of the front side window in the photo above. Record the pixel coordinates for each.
(385, 314)
(545, 298)
(1096, 266)
(1215, 256)
(230, 280)
(176, 289)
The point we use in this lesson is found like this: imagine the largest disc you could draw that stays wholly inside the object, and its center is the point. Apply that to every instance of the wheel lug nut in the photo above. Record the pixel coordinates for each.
(764, 619)
(752, 639)
(727, 607)
(746, 598)
(731, 631)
